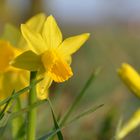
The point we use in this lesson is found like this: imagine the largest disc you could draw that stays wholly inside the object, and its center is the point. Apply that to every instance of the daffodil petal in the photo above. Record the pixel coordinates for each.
(27, 60)
(43, 86)
(10, 83)
(7, 53)
(2, 95)
(36, 22)
(13, 82)
(72, 44)
(34, 40)
(68, 59)
(131, 78)
(24, 77)
(51, 33)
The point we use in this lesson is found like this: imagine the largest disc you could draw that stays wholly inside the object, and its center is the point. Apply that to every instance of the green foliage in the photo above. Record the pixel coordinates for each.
(83, 114)
(56, 125)
(107, 125)
(79, 96)
(9, 114)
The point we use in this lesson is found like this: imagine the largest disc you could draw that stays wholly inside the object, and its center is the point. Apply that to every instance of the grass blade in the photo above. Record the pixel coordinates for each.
(26, 109)
(89, 111)
(6, 105)
(59, 134)
(79, 97)
(9, 115)
(85, 113)
(5, 119)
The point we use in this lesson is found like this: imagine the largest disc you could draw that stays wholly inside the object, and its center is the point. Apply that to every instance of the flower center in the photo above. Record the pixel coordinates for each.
(56, 66)
(7, 53)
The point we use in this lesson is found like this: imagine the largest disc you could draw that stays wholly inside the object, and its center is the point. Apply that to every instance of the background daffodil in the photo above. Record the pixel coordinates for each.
(131, 78)
(130, 125)
(13, 44)
(48, 54)
(10, 78)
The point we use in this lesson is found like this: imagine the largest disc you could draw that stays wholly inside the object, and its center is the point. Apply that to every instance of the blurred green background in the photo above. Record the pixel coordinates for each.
(115, 38)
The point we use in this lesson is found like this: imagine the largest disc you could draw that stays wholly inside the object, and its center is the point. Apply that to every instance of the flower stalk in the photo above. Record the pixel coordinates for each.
(31, 127)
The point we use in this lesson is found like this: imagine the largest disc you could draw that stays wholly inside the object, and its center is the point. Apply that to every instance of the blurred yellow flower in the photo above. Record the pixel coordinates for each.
(129, 125)
(13, 44)
(131, 78)
(7, 53)
(10, 78)
(48, 54)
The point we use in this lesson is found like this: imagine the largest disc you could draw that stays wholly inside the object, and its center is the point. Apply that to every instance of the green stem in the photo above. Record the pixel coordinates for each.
(17, 122)
(31, 127)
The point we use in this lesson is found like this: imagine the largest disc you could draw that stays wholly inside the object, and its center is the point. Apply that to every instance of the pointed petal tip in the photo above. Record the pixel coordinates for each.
(51, 18)
(23, 26)
(24, 29)
(87, 35)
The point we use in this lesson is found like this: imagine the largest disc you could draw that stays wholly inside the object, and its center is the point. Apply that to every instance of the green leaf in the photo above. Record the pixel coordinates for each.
(4, 115)
(79, 97)
(59, 134)
(85, 113)
(3, 123)
(11, 34)
(21, 132)
(28, 60)
(9, 116)
(5, 107)
(5, 119)
(26, 109)
(106, 129)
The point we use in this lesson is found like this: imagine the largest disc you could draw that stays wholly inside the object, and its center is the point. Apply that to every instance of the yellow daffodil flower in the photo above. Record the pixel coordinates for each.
(130, 125)
(10, 78)
(7, 53)
(13, 44)
(131, 78)
(48, 53)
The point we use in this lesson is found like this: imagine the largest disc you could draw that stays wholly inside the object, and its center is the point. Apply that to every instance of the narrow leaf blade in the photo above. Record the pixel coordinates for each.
(59, 134)
(85, 113)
